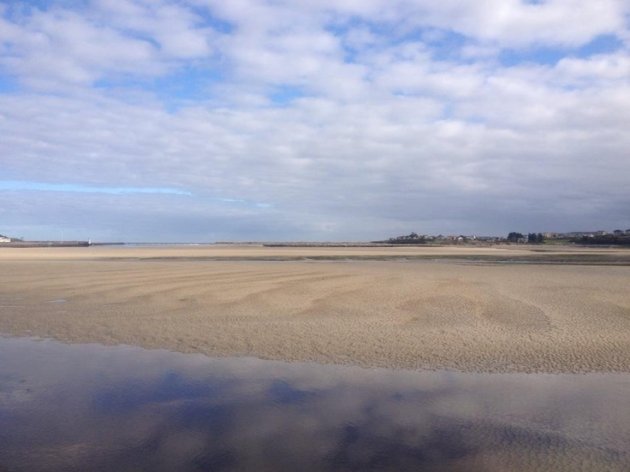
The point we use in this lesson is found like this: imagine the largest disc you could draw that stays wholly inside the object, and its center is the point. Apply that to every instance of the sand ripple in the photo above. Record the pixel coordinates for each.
(395, 314)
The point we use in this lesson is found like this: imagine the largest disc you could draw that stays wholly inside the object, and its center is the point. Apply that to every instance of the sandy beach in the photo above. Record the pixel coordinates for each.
(464, 308)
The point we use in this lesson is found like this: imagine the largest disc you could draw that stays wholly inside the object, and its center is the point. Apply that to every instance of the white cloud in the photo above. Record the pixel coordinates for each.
(347, 119)
(60, 46)
(517, 23)
(179, 32)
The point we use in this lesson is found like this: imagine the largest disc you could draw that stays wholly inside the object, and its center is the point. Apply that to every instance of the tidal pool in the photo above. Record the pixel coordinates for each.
(91, 407)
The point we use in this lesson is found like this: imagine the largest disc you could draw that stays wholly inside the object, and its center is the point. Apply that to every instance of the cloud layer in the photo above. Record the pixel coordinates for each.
(315, 120)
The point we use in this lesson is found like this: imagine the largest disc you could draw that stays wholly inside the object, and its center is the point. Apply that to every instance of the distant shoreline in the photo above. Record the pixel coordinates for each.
(317, 244)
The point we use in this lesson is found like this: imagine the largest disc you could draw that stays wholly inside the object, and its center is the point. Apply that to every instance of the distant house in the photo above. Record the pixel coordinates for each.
(4, 239)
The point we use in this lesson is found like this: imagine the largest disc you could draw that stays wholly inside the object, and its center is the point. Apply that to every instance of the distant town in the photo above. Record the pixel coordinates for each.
(600, 237)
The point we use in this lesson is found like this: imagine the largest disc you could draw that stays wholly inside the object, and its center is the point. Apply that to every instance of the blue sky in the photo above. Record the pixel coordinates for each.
(24, 186)
(208, 120)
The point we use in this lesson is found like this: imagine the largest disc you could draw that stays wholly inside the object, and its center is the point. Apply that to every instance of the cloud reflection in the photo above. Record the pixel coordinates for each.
(90, 407)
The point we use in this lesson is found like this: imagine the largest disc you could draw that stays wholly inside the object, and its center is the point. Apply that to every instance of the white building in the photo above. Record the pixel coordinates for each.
(4, 239)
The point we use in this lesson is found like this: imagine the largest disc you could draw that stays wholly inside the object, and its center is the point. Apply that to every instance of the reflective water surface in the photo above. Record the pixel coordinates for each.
(90, 407)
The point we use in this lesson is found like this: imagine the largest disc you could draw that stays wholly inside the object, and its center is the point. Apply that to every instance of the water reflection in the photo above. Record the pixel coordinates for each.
(90, 407)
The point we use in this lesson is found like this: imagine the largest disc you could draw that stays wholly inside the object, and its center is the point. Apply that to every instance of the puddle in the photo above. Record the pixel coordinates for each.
(92, 407)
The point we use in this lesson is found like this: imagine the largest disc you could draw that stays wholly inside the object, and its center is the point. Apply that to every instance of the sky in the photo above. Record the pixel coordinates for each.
(275, 120)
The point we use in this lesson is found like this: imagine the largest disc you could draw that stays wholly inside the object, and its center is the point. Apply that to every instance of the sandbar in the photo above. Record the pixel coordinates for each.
(494, 309)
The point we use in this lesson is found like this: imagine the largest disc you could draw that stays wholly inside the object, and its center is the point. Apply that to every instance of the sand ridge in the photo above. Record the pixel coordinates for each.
(407, 314)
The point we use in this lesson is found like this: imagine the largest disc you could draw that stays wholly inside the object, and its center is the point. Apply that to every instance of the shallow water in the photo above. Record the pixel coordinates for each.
(92, 407)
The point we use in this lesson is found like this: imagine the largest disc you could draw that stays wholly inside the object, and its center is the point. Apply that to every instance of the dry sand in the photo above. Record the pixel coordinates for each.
(420, 310)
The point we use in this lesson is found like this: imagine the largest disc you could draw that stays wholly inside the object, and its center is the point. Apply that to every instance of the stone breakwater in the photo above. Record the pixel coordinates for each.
(32, 244)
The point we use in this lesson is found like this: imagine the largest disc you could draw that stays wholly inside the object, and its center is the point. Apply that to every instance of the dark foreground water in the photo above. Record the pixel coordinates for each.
(90, 407)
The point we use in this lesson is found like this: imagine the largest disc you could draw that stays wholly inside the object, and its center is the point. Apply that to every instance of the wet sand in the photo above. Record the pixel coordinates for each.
(452, 307)
(87, 407)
